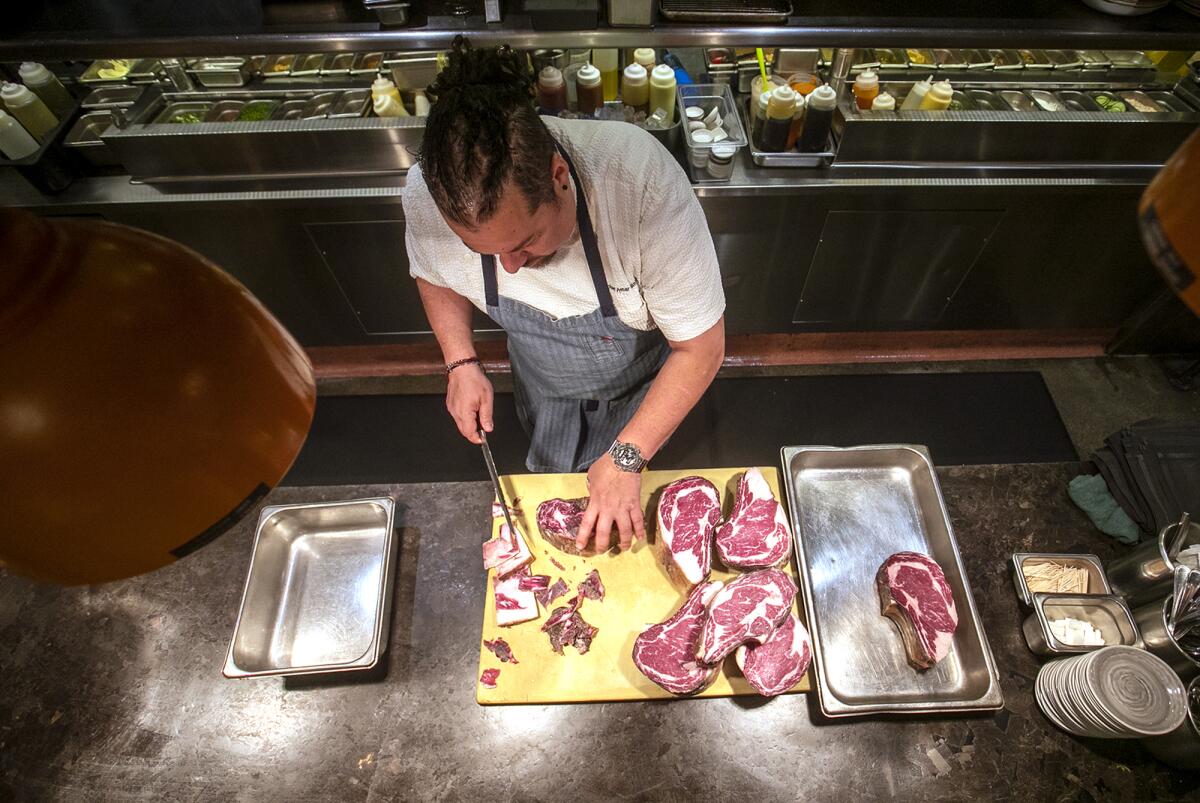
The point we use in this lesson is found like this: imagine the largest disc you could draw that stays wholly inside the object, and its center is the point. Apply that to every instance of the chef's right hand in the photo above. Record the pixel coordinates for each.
(469, 400)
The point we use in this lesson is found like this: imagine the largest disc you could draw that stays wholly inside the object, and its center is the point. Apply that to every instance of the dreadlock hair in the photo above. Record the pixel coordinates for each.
(483, 131)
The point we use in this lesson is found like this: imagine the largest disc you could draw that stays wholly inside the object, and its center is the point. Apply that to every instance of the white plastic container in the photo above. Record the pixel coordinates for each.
(29, 110)
(15, 142)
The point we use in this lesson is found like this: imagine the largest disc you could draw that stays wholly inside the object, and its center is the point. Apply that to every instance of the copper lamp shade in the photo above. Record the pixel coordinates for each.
(147, 399)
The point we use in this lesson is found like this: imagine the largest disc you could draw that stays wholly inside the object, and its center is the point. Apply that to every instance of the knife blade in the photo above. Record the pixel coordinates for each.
(491, 467)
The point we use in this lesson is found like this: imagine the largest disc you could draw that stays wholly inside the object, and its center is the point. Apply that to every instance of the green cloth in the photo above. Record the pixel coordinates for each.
(1090, 494)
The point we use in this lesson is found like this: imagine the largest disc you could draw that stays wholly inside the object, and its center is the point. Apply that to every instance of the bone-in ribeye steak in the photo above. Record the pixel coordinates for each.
(914, 594)
(776, 665)
(558, 522)
(756, 535)
(746, 610)
(688, 511)
(666, 652)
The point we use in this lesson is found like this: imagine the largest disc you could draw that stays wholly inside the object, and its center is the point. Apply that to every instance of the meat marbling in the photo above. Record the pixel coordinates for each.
(688, 511)
(756, 535)
(748, 609)
(914, 594)
(776, 665)
(558, 522)
(666, 652)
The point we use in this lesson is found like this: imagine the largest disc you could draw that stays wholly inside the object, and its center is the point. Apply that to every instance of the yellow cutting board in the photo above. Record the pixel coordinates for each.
(637, 594)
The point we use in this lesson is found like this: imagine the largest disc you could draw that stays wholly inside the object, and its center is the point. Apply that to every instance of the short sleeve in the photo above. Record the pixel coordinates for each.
(417, 203)
(680, 277)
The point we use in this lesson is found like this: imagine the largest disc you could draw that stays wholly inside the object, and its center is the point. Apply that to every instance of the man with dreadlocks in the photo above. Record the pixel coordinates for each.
(610, 291)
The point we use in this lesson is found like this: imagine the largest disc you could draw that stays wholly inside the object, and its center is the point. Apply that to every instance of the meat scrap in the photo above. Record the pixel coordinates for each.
(547, 596)
(914, 594)
(507, 552)
(488, 678)
(666, 652)
(591, 587)
(566, 626)
(756, 535)
(688, 511)
(501, 650)
(513, 605)
(498, 509)
(746, 610)
(533, 582)
(558, 565)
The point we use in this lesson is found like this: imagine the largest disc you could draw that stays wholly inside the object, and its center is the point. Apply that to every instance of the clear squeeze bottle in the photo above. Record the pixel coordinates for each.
(662, 92)
(589, 90)
(15, 142)
(818, 119)
(551, 91)
(780, 109)
(938, 97)
(917, 94)
(635, 90)
(797, 122)
(883, 102)
(606, 61)
(645, 57)
(866, 88)
(29, 110)
(46, 86)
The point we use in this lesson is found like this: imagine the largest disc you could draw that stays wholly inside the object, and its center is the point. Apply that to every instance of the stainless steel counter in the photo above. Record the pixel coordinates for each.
(115, 692)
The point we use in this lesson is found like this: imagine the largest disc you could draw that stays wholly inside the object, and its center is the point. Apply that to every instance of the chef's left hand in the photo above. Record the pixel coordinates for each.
(616, 501)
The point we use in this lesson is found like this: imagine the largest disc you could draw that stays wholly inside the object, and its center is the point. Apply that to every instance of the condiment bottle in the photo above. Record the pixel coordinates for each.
(420, 103)
(605, 60)
(385, 99)
(780, 109)
(551, 91)
(818, 119)
(916, 94)
(797, 121)
(645, 57)
(589, 90)
(46, 86)
(635, 90)
(15, 142)
(662, 91)
(758, 118)
(866, 88)
(883, 102)
(938, 97)
(29, 110)
(720, 162)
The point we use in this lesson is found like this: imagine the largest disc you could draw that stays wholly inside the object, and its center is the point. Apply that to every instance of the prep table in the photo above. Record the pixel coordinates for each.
(115, 691)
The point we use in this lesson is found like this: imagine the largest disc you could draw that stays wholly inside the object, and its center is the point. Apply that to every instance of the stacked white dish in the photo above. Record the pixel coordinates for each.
(1114, 693)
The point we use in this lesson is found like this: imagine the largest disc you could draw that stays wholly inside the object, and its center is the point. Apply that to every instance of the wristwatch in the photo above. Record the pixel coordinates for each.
(627, 456)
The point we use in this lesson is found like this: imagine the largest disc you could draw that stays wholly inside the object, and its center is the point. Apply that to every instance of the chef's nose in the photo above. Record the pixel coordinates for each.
(513, 262)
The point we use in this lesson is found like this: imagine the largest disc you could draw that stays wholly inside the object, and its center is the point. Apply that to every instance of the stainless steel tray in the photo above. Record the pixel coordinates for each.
(851, 509)
(792, 158)
(319, 591)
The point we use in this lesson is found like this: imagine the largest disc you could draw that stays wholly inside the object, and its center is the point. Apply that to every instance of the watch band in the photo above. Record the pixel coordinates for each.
(627, 456)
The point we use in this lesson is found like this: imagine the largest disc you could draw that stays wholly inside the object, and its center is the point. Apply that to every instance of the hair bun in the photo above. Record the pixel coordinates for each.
(499, 69)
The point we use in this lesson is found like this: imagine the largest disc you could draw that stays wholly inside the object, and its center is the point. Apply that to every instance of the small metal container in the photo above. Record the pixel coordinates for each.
(920, 58)
(1006, 60)
(257, 111)
(1140, 102)
(1181, 747)
(1077, 101)
(1171, 102)
(111, 97)
(1018, 101)
(319, 104)
(1147, 574)
(308, 65)
(987, 101)
(1097, 582)
(1035, 59)
(1108, 614)
(338, 64)
(221, 72)
(352, 103)
(279, 66)
(1110, 102)
(978, 60)
(549, 57)
(144, 71)
(790, 60)
(366, 64)
(85, 137)
(1065, 59)
(1151, 620)
(107, 71)
(1129, 60)
(946, 59)
(318, 594)
(412, 70)
(721, 65)
(173, 111)
(962, 102)
(864, 59)
(224, 111)
(289, 110)
(1093, 59)
(389, 12)
(1046, 101)
(890, 59)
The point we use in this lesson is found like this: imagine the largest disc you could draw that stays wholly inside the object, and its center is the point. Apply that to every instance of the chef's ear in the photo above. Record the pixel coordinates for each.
(560, 173)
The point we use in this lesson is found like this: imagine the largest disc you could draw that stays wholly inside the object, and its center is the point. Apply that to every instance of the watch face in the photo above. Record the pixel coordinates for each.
(626, 456)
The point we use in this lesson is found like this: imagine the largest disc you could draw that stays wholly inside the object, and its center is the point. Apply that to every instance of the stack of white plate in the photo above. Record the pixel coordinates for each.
(1127, 8)
(1113, 693)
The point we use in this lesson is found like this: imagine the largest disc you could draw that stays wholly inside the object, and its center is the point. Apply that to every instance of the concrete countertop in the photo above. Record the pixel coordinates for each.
(115, 692)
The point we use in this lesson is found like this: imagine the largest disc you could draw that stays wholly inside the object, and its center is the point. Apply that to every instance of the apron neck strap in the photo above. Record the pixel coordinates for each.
(587, 237)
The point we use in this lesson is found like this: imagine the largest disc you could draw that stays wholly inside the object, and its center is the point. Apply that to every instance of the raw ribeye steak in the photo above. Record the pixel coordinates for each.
(666, 652)
(747, 609)
(914, 594)
(776, 665)
(558, 521)
(688, 511)
(756, 535)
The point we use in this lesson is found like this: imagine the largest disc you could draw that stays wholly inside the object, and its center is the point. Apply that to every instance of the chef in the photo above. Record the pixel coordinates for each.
(584, 241)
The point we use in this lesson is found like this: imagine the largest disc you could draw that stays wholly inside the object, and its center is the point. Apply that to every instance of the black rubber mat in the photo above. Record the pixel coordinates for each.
(964, 418)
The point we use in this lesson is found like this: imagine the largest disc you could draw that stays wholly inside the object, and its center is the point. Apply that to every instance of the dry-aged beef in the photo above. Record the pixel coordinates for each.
(591, 587)
(547, 595)
(688, 511)
(558, 521)
(534, 582)
(776, 665)
(756, 535)
(501, 650)
(565, 626)
(507, 552)
(746, 610)
(513, 605)
(488, 678)
(914, 594)
(666, 652)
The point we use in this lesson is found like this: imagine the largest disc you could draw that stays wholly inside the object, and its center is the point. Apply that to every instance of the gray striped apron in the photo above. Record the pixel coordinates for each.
(577, 380)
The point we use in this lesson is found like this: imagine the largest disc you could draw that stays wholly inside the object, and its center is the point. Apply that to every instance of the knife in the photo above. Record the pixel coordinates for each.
(491, 466)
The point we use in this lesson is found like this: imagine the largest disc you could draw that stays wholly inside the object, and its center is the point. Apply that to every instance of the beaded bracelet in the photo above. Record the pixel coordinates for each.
(463, 361)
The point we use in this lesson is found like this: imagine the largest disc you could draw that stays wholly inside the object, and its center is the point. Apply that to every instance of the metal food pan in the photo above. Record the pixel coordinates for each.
(1097, 579)
(352, 103)
(85, 136)
(1171, 102)
(851, 509)
(224, 111)
(110, 97)
(1077, 101)
(1108, 614)
(197, 108)
(318, 593)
